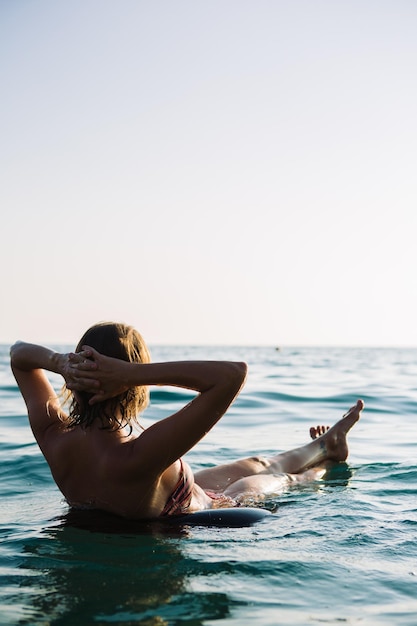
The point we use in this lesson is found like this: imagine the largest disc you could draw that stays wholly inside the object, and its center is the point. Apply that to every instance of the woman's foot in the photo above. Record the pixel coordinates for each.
(318, 431)
(334, 439)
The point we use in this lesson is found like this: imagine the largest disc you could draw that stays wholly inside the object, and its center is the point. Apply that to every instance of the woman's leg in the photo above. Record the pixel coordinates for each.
(258, 486)
(330, 445)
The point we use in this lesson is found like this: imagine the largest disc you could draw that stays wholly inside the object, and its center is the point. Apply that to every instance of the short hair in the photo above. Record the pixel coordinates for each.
(119, 341)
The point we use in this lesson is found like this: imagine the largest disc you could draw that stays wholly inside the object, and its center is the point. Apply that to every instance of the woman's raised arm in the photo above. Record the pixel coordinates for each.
(28, 362)
(90, 368)
(27, 357)
(216, 382)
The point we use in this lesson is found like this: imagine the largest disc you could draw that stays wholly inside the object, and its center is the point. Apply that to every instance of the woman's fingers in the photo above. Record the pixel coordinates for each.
(87, 366)
(81, 361)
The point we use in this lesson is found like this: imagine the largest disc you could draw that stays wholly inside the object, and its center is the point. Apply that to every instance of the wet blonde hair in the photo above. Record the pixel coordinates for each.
(119, 341)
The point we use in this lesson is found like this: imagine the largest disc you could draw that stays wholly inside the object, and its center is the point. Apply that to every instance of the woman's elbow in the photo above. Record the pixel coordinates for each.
(243, 369)
(239, 373)
(17, 355)
(14, 349)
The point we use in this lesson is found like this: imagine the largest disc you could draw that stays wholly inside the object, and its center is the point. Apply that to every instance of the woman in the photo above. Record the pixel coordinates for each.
(98, 462)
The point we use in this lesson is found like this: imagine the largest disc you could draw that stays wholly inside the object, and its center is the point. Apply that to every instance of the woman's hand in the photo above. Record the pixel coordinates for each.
(76, 371)
(96, 373)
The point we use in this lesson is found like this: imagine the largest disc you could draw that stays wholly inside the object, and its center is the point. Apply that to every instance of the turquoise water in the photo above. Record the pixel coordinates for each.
(340, 551)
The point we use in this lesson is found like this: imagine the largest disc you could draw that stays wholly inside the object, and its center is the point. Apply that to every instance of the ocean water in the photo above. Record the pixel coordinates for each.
(341, 550)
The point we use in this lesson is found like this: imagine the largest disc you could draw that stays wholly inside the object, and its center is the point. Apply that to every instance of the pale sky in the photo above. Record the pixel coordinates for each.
(223, 172)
